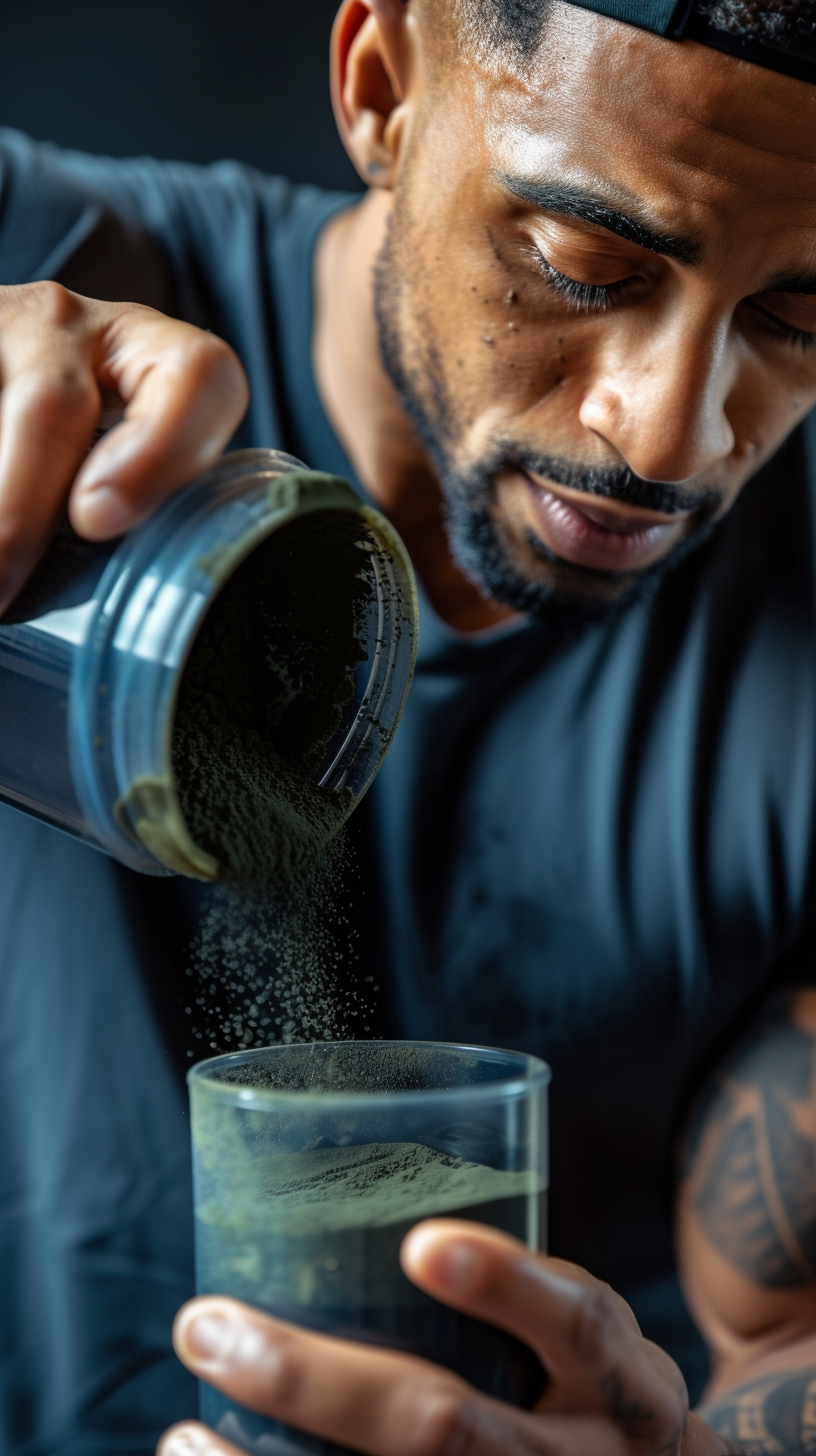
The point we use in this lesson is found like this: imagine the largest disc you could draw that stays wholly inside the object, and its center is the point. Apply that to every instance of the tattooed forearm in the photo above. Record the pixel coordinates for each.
(749, 1198)
(752, 1160)
(772, 1416)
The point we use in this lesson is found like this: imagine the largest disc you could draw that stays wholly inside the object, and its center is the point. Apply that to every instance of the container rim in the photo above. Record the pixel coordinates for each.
(535, 1076)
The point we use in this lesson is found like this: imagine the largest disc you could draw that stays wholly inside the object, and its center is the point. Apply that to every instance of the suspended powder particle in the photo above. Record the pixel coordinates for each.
(264, 703)
(330, 1070)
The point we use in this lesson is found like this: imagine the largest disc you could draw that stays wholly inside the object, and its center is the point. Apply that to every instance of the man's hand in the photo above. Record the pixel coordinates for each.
(64, 358)
(611, 1393)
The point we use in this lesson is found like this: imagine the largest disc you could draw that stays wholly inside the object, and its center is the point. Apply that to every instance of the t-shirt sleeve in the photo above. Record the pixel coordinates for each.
(205, 244)
(58, 220)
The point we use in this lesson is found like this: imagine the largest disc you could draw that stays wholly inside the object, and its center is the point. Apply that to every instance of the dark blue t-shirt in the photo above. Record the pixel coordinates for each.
(598, 848)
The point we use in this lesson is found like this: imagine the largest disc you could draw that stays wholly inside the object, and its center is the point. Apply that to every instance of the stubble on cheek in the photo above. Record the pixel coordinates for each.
(473, 350)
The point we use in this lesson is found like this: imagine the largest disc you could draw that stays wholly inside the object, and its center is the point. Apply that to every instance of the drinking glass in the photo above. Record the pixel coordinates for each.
(311, 1164)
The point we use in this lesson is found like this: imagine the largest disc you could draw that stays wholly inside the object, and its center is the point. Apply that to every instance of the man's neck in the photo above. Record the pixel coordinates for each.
(369, 420)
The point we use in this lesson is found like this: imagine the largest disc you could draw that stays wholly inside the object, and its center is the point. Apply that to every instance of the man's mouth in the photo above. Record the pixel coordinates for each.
(596, 533)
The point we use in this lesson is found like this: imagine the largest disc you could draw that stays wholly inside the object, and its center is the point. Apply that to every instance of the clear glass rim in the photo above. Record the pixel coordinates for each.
(535, 1077)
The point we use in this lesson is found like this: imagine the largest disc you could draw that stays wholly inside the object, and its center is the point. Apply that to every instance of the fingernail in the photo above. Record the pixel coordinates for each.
(103, 508)
(192, 1441)
(212, 1337)
(217, 1339)
(184, 1443)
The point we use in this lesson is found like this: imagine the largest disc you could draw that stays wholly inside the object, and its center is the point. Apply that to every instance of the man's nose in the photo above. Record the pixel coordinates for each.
(662, 407)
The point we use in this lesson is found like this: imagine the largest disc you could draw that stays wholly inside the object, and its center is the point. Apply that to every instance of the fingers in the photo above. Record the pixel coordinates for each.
(48, 409)
(185, 395)
(582, 1331)
(387, 1404)
(561, 1438)
(372, 1400)
(191, 1439)
(496, 1277)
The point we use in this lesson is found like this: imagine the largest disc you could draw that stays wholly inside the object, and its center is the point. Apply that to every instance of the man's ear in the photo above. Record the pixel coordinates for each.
(371, 61)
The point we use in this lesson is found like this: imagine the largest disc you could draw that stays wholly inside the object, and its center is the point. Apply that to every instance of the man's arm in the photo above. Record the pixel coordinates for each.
(83, 241)
(771, 1415)
(747, 1232)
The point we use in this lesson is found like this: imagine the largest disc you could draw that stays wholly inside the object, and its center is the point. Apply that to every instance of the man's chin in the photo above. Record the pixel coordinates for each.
(527, 576)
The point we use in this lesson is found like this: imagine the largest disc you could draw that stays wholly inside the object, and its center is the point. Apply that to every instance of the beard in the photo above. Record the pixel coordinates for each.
(544, 586)
(560, 592)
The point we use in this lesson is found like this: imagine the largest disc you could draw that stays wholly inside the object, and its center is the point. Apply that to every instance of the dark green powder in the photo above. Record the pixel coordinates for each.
(265, 701)
(267, 693)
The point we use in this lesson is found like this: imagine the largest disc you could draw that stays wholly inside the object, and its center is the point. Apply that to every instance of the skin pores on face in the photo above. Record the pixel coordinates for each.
(596, 279)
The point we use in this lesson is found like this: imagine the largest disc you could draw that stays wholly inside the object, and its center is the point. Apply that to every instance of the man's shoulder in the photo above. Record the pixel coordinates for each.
(51, 198)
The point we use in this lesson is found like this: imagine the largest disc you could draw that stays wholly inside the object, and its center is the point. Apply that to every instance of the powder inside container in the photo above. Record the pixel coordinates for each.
(267, 691)
(265, 701)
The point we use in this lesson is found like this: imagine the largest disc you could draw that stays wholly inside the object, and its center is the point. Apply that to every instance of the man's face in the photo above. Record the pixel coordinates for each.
(598, 299)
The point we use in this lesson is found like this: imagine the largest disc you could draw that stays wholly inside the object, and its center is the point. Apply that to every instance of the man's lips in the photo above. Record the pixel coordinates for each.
(599, 534)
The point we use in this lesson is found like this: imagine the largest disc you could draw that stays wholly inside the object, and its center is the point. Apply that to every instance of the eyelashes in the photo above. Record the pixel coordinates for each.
(592, 298)
(774, 326)
(582, 297)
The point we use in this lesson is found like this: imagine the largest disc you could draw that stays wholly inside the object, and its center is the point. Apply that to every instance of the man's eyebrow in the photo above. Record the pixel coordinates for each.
(589, 207)
(792, 283)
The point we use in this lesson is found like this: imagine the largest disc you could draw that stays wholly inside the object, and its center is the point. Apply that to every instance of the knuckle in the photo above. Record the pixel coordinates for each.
(204, 354)
(213, 365)
(440, 1422)
(283, 1374)
(54, 305)
(596, 1321)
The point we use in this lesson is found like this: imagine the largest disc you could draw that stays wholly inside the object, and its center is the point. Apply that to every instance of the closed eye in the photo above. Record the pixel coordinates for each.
(778, 328)
(582, 297)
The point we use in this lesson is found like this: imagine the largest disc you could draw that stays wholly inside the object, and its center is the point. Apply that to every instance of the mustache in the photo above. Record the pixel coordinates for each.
(618, 482)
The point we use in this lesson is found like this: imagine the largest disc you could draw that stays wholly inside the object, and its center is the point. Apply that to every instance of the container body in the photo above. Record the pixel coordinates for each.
(93, 652)
(42, 639)
(311, 1164)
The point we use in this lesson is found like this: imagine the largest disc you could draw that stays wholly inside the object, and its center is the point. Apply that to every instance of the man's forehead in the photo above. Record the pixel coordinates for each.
(649, 114)
(788, 49)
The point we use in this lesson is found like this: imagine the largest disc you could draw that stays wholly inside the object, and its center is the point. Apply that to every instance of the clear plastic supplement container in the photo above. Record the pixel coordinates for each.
(311, 1163)
(93, 652)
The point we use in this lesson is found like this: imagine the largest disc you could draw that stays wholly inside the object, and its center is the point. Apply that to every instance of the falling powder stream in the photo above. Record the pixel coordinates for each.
(264, 696)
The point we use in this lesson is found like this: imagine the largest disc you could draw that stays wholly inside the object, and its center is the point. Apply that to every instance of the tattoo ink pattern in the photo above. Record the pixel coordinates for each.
(753, 1159)
(635, 1418)
(773, 1416)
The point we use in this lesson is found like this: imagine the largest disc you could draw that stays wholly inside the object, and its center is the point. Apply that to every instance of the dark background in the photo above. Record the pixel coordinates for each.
(192, 79)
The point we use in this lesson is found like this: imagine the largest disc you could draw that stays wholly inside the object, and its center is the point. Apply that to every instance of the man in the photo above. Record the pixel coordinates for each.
(568, 343)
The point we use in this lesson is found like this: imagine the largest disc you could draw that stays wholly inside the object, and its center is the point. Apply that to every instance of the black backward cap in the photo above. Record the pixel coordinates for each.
(684, 21)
